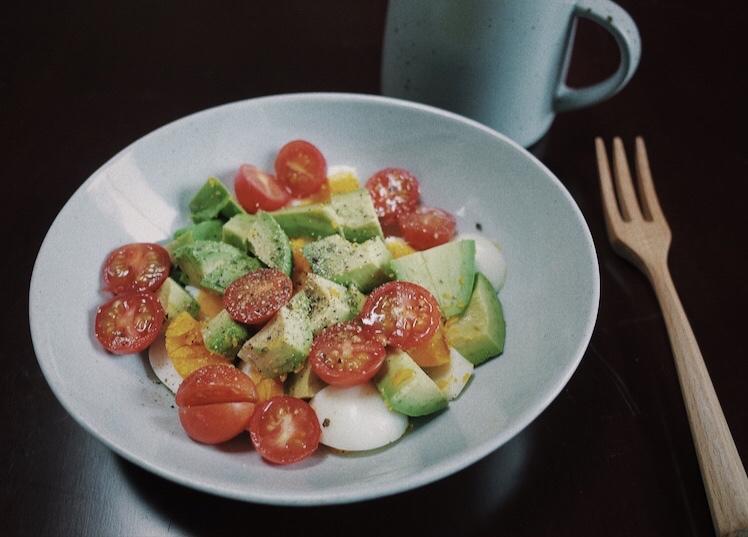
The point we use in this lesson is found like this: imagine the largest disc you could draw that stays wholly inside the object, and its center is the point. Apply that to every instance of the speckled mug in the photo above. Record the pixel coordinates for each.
(501, 62)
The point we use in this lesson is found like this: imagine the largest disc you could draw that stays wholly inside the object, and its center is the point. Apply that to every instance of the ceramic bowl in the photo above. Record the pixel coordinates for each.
(550, 297)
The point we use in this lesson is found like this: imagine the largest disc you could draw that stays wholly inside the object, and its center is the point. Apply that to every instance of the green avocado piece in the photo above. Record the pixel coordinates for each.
(328, 302)
(261, 236)
(452, 269)
(209, 230)
(363, 265)
(213, 265)
(356, 299)
(223, 335)
(209, 201)
(174, 299)
(304, 384)
(315, 220)
(232, 208)
(283, 344)
(478, 334)
(358, 219)
(406, 388)
(412, 268)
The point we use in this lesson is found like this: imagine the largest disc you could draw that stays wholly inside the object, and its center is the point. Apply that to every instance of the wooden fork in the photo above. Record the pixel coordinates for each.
(638, 231)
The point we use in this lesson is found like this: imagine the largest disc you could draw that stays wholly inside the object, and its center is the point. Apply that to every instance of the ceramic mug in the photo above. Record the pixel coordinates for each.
(501, 62)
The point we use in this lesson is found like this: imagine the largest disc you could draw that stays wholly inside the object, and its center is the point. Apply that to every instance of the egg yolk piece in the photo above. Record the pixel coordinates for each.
(185, 347)
(210, 303)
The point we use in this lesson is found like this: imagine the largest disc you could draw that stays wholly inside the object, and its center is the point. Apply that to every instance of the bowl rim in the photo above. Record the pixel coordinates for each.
(330, 496)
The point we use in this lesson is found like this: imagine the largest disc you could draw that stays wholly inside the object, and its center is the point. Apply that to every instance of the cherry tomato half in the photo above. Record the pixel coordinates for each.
(257, 190)
(345, 354)
(216, 383)
(213, 424)
(284, 430)
(136, 267)
(404, 313)
(301, 167)
(255, 297)
(425, 227)
(129, 323)
(216, 403)
(394, 191)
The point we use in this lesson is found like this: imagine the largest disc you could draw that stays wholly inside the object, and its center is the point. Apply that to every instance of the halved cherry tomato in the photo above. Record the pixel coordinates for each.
(129, 323)
(216, 403)
(301, 167)
(257, 190)
(404, 313)
(345, 354)
(138, 267)
(213, 424)
(394, 191)
(255, 297)
(216, 384)
(284, 430)
(425, 227)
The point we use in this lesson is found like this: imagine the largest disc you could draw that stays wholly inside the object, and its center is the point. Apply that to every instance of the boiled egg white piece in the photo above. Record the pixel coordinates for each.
(451, 378)
(356, 418)
(489, 259)
(162, 365)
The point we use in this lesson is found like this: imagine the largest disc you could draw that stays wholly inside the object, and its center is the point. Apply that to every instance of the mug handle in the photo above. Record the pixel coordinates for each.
(620, 24)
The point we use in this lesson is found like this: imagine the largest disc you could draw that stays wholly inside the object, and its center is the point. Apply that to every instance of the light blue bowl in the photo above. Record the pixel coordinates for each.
(550, 297)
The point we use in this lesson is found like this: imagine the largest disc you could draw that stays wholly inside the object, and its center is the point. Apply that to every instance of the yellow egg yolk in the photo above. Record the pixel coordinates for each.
(185, 348)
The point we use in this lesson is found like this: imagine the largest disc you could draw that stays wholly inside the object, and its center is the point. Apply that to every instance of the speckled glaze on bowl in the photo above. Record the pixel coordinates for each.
(550, 297)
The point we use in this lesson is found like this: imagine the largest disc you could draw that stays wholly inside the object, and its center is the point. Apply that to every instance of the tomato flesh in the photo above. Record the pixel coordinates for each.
(136, 267)
(257, 190)
(346, 354)
(216, 384)
(394, 192)
(129, 323)
(427, 227)
(257, 296)
(216, 403)
(213, 424)
(404, 313)
(301, 167)
(284, 430)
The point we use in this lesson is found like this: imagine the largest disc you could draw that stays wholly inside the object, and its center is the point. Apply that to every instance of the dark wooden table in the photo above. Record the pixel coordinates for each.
(611, 456)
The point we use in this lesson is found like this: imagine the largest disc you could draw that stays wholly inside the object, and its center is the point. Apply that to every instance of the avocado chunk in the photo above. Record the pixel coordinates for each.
(232, 208)
(261, 236)
(358, 219)
(478, 334)
(175, 299)
(406, 388)
(223, 335)
(284, 342)
(314, 220)
(328, 302)
(363, 265)
(412, 268)
(451, 272)
(356, 299)
(208, 202)
(304, 384)
(213, 265)
(209, 230)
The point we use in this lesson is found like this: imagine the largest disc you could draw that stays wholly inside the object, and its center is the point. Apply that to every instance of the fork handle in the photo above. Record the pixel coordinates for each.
(723, 473)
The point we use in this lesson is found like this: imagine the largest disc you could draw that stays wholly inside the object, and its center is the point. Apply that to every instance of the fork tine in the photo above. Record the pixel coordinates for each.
(610, 205)
(650, 203)
(624, 185)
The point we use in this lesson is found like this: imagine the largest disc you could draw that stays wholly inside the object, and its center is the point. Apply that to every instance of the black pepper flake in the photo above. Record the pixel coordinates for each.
(326, 422)
(479, 226)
